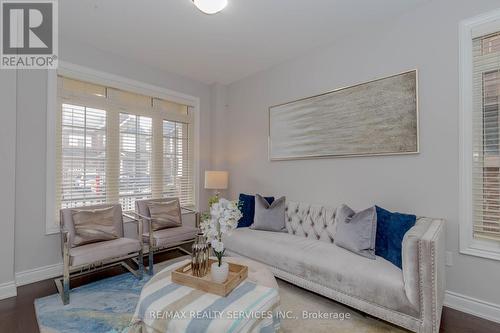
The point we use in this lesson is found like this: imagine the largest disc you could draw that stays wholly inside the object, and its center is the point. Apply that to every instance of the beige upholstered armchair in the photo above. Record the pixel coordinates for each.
(168, 236)
(92, 238)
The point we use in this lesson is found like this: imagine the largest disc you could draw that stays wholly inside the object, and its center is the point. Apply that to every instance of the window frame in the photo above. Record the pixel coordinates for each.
(469, 29)
(85, 74)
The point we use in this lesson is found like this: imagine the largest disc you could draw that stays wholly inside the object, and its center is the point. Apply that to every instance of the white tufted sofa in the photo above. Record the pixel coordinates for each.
(307, 257)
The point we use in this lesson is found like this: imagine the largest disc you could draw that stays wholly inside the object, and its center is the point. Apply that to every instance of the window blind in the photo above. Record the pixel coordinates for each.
(83, 156)
(177, 158)
(135, 159)
(486, 137)
(118, 146)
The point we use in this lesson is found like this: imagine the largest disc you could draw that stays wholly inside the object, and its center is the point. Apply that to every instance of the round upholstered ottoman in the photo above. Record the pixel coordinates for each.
(164, 306)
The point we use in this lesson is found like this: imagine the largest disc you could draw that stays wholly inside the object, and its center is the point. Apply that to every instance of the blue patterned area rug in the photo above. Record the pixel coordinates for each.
(104, 306)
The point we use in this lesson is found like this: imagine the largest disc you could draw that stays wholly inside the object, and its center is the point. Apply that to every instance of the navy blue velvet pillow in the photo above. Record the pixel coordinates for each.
(391, 228)
(247, 208)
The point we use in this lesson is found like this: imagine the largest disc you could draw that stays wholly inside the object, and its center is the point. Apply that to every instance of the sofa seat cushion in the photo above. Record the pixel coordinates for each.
(171, 236)
(89, 253)
(377, 281)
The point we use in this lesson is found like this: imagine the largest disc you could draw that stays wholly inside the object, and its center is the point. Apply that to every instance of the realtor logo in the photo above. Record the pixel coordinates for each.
(29, 34)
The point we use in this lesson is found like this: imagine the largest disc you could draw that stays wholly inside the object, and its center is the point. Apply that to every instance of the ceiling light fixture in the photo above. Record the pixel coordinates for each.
(210, 6)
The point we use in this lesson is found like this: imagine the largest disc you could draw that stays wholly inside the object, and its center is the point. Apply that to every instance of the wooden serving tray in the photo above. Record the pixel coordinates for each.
(184, 275)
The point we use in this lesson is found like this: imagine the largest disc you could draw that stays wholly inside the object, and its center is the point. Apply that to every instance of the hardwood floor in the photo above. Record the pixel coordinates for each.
(453, 321)
(17, 314)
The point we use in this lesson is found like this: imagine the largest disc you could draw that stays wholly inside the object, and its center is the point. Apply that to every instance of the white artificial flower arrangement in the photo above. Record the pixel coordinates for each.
(224, 217)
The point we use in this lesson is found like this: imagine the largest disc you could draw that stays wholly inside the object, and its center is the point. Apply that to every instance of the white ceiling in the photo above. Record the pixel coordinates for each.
(246, 37)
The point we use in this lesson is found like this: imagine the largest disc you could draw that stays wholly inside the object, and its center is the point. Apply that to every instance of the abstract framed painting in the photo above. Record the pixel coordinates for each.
(378, 117)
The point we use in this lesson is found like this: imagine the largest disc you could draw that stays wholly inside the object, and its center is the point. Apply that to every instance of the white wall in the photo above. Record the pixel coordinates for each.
(424, 184)
(219, 111)
(33, 247)
(7, 176)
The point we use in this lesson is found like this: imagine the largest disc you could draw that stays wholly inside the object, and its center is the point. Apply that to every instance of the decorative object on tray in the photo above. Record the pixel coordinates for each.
(219, 272)
(379, 117)
(184, 275)
(223, 219)
(199, 256)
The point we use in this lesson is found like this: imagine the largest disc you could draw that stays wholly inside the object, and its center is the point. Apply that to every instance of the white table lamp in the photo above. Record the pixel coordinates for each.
(216, 180)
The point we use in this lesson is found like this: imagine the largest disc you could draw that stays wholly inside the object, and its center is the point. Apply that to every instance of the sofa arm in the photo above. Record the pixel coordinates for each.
(423, 270)
(432, 279)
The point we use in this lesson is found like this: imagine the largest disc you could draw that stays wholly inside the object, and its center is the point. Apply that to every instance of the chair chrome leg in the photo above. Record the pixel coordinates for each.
(151, 248)
(183, 250)
(60, 289)
(150, 261)
(65, 287)
(136, 273)
(141, 264)
(65, 296)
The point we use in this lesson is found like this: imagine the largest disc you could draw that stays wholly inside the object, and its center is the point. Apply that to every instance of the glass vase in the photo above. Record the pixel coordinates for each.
(200, 255)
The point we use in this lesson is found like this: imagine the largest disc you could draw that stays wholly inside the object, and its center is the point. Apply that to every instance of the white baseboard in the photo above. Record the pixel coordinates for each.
(38, 274)
(473, 306)
(8, 289)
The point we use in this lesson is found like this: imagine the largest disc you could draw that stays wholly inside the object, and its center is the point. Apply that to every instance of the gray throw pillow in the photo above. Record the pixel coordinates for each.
(94, 225)
(356, 232)
(269, 217)
(165, 214)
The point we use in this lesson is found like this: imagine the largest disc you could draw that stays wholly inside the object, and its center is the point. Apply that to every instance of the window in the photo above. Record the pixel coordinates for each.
(136, 140)
(480, 136)
(176, 159)
(118, 146)
(486, 130)
(83, 156)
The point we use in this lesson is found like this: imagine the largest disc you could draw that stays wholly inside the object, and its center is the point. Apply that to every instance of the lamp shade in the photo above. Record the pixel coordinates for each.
(216, 180)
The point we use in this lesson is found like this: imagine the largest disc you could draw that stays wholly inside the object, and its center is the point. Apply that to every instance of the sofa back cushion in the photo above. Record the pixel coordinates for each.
(310, 221)
(68, 224)
(142, 208)
(165, 214)
(94, 225)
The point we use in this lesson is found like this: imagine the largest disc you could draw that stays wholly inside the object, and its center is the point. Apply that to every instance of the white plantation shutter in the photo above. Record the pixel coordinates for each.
(136, 140)
(83, 156)
(486, 137)
(177, 161)
(117, 146)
